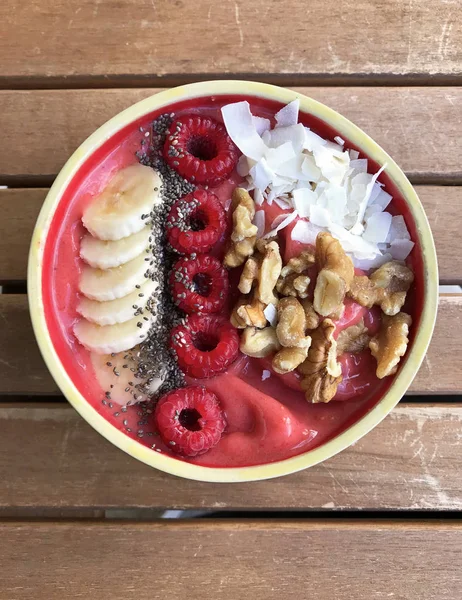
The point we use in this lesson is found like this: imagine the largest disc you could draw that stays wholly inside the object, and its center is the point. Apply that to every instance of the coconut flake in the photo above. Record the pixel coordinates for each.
(398, 229)
(279, 223)
(288, 115)
(305, 232)
(261, 124)
(303, 199)
(383, 199)
(339, 140)
(283, 202)
(313, 140)
(377, 228)
(359, 165)
(310, 170)
(320, 216)
(258, 197)
(374, 263)
(241, 128)
(400, 249)
(280, 155)
(259, 221)
(261, 174)
(294, 134)
(271, 314)
(358, 228)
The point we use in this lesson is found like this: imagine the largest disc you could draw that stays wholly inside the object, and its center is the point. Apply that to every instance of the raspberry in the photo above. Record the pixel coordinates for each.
(200, 284)
(190, 420)
(200, 150)
(196, 222)
(205, 346)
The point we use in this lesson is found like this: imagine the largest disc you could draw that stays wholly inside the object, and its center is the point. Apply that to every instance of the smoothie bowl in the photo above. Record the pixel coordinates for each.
(232, 282)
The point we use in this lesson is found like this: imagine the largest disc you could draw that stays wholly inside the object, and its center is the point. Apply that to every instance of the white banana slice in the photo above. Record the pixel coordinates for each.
(117, 385)
(118, 210)
(108, 254)
(109, 284)
(112, 338)
(119, 310)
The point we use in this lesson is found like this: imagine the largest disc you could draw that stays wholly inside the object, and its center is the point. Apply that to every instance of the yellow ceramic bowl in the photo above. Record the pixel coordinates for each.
(345, 129)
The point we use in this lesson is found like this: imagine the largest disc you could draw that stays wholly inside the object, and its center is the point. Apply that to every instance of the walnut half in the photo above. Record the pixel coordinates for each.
(335, 275)
(390, 344)
(386, 287)
(244, 234)
(259, 342)
(354, 339)
(321, 372)
(293, 280)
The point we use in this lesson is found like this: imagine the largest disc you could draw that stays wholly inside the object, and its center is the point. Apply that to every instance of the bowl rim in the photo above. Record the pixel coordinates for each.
(161, 461)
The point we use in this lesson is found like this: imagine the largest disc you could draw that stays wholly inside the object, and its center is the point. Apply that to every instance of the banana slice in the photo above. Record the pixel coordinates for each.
(119, 310)
(109, 284)
(108, 254)
(104, 365)
(112, 338)
(116, 212)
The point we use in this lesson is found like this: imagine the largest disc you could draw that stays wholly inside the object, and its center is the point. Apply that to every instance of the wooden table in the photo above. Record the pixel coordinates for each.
(79, 517)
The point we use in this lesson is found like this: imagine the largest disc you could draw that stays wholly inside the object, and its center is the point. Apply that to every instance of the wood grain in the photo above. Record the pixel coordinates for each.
(412, 461)
(22, 370)
(420, 127)
(20, 207)
(209, 560)
(104, 39)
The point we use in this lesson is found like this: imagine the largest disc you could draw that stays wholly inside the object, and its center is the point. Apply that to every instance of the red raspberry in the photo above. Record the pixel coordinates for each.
(196, 222)
(200, 284)
(200, 150)
(190, 420)
(205, 346)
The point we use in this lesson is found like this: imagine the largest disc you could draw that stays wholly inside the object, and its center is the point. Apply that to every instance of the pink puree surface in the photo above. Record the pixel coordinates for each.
(268, 416)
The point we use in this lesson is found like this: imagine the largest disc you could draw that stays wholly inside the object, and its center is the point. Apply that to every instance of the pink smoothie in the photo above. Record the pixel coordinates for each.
(268, 416)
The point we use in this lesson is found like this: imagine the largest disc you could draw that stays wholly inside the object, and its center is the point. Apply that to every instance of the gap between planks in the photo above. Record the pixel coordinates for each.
(420, 127)
(410, 461)
(20, 208)
(103, 82)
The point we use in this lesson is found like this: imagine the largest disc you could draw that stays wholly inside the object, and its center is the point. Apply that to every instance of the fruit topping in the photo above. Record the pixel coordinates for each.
(205, 345)
(120, 309)
(200, 284)
(109, 284)
(190, 420)
(125, 204)
(108, 254)
(196, 222)
(200, 150)
(112, 338)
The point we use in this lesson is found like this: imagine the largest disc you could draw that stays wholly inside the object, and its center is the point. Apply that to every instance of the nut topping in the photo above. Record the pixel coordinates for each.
(291, 324)
(243, 236)
(321, 371)
(259, 342)
(335, 275)
(353, 339)
(390, 344)
(386, 287)
(293, 281)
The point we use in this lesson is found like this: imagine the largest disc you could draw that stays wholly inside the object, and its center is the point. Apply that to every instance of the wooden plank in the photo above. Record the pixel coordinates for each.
(412, 461)
(59, 39)
(420, 127)
(19, 209)
(209, 560)
(22, 370)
